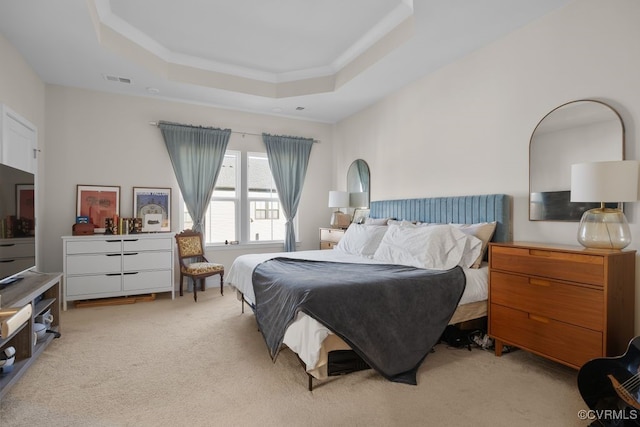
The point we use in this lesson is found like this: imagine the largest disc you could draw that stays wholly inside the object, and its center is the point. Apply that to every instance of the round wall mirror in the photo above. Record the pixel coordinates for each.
(575, 132)
(358, 184)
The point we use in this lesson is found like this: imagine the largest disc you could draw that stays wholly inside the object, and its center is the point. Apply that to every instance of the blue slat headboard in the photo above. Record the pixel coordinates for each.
(458, 209)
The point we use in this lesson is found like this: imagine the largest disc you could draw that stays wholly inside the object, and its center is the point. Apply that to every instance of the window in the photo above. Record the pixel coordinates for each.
(238, 215)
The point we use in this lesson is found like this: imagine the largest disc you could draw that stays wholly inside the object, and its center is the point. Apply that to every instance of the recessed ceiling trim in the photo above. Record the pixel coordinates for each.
(121, 37)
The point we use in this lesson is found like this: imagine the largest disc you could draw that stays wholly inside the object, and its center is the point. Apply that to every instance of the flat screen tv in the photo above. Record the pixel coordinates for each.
(17, 223)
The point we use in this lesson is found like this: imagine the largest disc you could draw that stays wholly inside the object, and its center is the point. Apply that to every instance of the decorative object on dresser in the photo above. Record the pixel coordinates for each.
(193, 263)
(105, 266)
(339, 199)
(36, 296)
(153, 204)
(329, 237)
(565, 303)
(98, 203)
(617, 182)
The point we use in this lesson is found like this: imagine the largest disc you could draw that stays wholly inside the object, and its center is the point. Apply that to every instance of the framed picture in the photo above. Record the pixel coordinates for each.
(25, 208)
(153, 205)
(98, 203)
(360, 215)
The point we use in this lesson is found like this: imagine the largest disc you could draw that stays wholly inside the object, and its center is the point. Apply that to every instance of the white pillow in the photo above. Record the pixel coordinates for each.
(483, 231)
(438, 247)
(376, 221)
(361, 239)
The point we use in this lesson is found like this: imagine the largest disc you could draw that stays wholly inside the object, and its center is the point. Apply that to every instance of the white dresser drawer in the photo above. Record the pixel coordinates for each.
(91, 285)
(147, 280)
(17, 249)
(94, 264)
(159, 244)
(9, 267)
(93, 246)
(135, 261)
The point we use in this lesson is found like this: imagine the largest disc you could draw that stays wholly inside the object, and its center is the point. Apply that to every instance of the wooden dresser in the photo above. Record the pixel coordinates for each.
(329, 237)
(566, 303)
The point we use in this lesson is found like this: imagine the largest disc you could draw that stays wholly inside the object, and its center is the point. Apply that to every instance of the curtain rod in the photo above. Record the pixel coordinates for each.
(237, 132)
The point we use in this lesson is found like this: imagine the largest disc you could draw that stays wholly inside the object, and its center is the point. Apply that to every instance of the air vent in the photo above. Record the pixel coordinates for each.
(117, 79)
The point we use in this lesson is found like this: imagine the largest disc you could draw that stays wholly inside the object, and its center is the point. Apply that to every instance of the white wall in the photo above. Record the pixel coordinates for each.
(95, 138)
(465, 129)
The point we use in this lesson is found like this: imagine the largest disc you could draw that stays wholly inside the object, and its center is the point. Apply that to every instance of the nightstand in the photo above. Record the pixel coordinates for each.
(566, 303)
(329, 237)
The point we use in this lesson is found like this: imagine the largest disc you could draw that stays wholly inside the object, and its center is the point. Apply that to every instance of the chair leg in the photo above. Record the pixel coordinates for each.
(222, 283)
(202, 285)
(181, 280)
(195, 290)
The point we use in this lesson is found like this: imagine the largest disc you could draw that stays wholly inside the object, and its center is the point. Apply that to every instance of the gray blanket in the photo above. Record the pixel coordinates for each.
(390, 315)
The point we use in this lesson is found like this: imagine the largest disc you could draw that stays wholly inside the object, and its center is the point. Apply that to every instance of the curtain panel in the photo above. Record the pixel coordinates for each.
(196, 155)
(288, 159)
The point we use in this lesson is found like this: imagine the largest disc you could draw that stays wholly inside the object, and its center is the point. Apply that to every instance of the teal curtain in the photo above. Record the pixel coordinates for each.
(196, 154)
(288, 159)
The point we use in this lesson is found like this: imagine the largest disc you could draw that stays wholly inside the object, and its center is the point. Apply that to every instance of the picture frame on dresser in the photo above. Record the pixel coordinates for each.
(98, 202)
(360, 216)
(153, 204)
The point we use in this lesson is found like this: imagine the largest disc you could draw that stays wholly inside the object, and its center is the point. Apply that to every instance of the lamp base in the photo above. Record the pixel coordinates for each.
(340, 220)
(604, 228)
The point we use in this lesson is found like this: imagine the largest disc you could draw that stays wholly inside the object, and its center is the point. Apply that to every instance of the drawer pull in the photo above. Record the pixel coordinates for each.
(130, 240)
(6, 245)
(539, 318)
(113, 241)
(130, 272)
(539, 282)
(113, 274)
(131, 253)
(114, 254)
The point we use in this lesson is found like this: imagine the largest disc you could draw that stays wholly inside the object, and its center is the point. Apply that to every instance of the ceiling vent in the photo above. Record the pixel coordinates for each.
(117, 79)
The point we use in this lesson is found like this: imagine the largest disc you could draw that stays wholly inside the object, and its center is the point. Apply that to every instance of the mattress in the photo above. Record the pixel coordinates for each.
(311, 340)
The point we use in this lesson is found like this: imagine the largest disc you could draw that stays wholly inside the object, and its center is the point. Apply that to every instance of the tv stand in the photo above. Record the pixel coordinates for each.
(42, 292)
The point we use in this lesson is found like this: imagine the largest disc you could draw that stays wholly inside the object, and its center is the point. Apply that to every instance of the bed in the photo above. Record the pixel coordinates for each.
(312, 341)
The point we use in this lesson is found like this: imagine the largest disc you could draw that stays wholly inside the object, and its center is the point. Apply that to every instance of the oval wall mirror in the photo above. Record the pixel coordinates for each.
(575, 132)
(358, 184)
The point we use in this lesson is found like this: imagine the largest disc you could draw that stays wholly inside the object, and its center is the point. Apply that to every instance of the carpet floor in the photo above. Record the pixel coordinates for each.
(176, 362)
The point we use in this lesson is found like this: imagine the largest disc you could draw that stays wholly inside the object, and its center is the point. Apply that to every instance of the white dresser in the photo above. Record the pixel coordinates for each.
(103, 266)
(16, 254)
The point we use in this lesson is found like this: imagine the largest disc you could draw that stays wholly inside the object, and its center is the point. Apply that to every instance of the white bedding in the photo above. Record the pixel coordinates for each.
(305, 335)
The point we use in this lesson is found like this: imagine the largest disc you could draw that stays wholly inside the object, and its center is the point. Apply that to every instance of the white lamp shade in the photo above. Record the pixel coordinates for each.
(608, 182)
(338, 199)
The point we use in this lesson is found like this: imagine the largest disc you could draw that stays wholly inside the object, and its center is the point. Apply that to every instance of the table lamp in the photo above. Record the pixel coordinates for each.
(604, 182)
(339, 199)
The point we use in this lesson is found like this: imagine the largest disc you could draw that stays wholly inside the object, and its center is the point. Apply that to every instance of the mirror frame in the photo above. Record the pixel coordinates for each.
(355, 184)
(564, 210)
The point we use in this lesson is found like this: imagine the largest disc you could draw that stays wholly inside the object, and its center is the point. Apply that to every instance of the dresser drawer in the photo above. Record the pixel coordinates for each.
(134, 261)
(570, 266)
(327, 245)
(13, 249)
(134, 244)
(90, 286)
(94, 264)
(570, 344)
(331, 234)
(577, 305)
(93, 246)
(147, 280)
